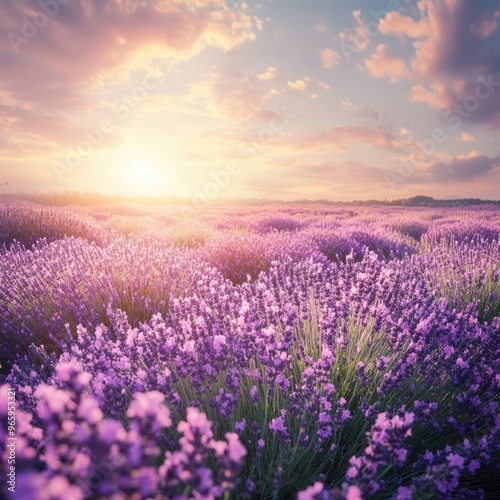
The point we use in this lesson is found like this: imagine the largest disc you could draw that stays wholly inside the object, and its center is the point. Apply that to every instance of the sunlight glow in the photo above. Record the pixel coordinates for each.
(141, 177)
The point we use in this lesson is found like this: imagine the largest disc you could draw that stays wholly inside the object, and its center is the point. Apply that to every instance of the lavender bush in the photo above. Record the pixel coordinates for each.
(71, 281)
(27, 224)
(274, 359)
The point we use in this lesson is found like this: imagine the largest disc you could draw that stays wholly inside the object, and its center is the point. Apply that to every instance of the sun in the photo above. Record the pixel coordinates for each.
(143, 172)
(140, 170)
(141, 176)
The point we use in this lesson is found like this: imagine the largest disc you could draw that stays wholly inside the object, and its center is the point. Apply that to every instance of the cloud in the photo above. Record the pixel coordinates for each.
(329, 58)
(270, 74)
(321, 28)
(88, 37)
(395, 24)
(470, 176)
(453, 47)
(300, 85)
(307, 84)
(456, 48)
(348, 106)
(369, 116)
(472, 168)
(53, 63)
(273, 93)
(230, 94)
(465, 137)
(383, 63)
(435, 94)
(356, 38)
(340, 137)
(461, 169)
(27, 130)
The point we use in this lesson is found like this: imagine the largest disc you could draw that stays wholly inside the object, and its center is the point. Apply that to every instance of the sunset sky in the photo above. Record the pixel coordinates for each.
(279, 99)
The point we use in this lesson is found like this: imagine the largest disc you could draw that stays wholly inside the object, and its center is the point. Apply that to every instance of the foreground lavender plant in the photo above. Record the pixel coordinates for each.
(57, 455)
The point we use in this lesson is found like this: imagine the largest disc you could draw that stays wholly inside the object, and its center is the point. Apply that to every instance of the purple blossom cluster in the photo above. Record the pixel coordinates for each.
(71, 452)
(385, 446)
(255, 363)
(461, 230)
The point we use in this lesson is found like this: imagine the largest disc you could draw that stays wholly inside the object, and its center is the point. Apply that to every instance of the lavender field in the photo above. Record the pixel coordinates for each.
(267, 352)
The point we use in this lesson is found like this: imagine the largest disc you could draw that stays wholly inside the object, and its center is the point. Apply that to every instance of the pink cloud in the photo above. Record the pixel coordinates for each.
(383, 63)
(340, 137)
(329, 58)
(486, 27)
(465, 137)
(29, 130)
(86, 38)
(472, 168)
(462, 168)
(300, 85)
(51, 70)
(270, 74)
(230, 94)
(436, 95)
(456, 49)
(307, 84)
(357, 38)
(395, 24)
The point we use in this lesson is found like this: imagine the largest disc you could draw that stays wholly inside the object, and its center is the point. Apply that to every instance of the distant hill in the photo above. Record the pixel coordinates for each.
(428, 201)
